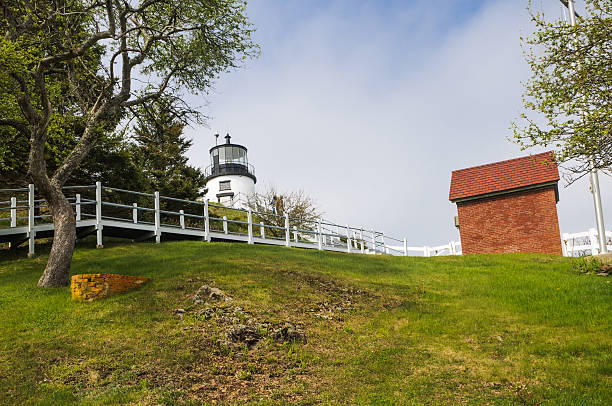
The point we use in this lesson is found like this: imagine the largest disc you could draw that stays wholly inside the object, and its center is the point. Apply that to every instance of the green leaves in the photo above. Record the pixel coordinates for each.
(569, 95)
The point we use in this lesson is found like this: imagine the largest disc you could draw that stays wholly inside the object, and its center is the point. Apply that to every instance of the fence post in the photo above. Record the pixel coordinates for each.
(568, 252)
(225, 225)
(287, 239)
(405, 247)
(426, 252)
(320, 239)
(594, 241)
(361, 242)
(99, 225)
(250, 225)
(135, 212)
(348, 239)
(157, 219)
(13, 212)
(295, 238)
(206, 222)
(31, 221)
(262, 230)
(373, 240)
(77, 207)
(452, 248)
(182, 218)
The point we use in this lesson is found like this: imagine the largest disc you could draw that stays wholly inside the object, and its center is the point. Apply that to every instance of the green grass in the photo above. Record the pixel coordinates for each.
(491, 329)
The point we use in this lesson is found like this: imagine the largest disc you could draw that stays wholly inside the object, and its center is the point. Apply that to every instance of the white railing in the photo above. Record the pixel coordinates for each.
(584, 243)
(96, 206)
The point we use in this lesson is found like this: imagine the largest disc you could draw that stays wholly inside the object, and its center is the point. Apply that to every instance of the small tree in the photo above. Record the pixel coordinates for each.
(159, 151)
(570, 89)
(50, 65)
(274, 205)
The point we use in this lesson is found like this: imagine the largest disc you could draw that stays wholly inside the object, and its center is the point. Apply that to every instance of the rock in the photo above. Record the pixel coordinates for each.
(244, 334)
(605, 259)
(289, 333)
(206, 293)
(179, 311)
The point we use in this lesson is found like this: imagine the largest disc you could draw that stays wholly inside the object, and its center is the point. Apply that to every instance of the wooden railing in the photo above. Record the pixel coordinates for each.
(97, 206)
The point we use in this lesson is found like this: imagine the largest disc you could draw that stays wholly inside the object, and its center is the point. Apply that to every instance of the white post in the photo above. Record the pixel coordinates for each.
(77, 206)
(182, 218)
(295, 234)
(262, 230)
(382, 236)
(451, 247)
(250, 225)
(348, 239)
(287, 239)
(157, 219)
(568, 253)
(13, 212)
(320, 239)
(405, 247)
(601, 230)
(373, 241)
(361, 242)
(206, 222)
(99, 215)
(225, 231)
(593, 239)
(31, 221)
(135, 213)
(426, 252)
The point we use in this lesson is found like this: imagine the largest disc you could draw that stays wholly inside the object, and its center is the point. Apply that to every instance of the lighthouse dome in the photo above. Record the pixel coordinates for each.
(230, 179)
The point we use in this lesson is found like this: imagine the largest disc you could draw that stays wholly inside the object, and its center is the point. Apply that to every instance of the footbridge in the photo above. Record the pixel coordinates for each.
(112, 212)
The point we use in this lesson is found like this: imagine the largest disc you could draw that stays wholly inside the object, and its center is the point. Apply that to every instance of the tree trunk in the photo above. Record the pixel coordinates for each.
(57, 271)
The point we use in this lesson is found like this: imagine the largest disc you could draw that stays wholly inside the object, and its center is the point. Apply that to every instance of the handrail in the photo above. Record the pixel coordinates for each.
(312, 232)
(181, 200)
(14, 190)
(79, 187)
(112, 189)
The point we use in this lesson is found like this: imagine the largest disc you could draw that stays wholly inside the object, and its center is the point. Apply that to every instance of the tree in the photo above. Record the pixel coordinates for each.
(110, 160)
(151, 48)
(159, 152)
(274, 205)
(570, 89)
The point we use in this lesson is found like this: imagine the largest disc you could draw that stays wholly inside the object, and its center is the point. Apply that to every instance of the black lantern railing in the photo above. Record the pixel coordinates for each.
(230, 169)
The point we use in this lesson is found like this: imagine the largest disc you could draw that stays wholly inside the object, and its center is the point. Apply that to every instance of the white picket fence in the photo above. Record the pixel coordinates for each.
(28, 220)
(584, 243)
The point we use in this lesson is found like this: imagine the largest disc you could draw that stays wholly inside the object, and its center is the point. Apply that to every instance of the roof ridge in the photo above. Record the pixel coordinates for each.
(504, 175)
(505, 161)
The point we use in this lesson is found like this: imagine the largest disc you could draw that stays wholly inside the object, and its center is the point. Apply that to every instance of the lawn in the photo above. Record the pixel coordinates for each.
(490, 329)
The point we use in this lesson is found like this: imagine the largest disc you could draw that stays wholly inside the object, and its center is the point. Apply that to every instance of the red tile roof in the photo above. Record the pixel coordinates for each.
(503, 176)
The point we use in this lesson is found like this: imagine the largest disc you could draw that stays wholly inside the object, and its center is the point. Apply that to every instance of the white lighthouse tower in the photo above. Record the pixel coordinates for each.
(230, 179)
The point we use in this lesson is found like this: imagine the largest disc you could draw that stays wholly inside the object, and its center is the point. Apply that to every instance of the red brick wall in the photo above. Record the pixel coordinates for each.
(518, 222)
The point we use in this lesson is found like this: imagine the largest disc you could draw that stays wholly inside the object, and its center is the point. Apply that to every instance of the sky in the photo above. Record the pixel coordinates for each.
(368, 106)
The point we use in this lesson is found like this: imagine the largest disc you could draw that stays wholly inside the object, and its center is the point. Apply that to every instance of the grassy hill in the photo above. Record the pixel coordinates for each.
(503, 329)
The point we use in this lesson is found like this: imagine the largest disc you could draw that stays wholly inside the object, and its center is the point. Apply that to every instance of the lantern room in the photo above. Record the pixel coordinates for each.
(230, 179)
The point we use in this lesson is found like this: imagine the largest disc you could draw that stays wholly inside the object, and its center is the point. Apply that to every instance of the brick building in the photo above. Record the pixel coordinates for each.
(508, 206)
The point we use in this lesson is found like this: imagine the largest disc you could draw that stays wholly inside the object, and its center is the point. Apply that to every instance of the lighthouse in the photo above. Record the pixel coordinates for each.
(230, 179)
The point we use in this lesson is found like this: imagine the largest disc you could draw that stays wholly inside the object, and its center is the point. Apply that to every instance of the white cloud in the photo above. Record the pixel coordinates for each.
(369, 111)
